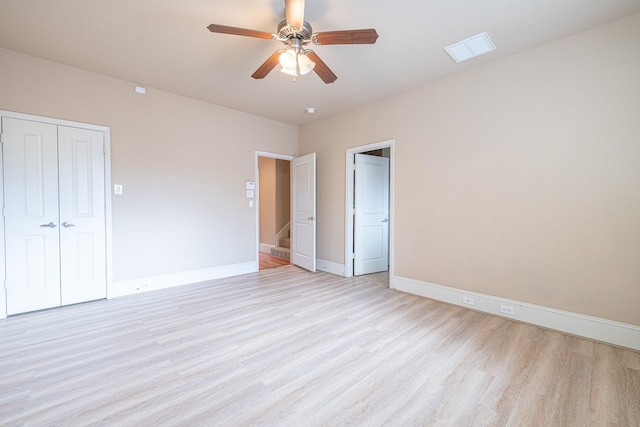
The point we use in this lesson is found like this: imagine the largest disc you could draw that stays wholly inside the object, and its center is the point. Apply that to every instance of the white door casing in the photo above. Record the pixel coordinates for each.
(58, 175)
(303, 211)
(31, 215)
(82, 214)
(371, 219)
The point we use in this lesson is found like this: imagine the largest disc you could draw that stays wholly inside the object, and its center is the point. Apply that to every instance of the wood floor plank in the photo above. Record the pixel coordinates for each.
(268, 261)
(288, 347)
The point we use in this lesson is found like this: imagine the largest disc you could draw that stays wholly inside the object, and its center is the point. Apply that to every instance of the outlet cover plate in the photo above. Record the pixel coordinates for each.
(507, 309)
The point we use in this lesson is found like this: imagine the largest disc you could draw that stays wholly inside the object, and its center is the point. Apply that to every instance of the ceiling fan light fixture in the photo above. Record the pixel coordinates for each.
(296, 34)
(288, 59)
(290, 71)
(305, 64)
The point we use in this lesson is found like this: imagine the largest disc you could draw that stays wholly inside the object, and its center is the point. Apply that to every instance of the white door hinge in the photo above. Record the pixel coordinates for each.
(1, 138)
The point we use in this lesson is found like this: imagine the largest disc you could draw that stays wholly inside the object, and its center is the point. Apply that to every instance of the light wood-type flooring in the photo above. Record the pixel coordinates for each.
(269, 261)
(284, 347)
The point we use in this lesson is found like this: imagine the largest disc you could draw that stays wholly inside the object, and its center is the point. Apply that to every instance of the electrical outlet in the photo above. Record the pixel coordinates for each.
(507, 309)
(468, 300)
(142, 286)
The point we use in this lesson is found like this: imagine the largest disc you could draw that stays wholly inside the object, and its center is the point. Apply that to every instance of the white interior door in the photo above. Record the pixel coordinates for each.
(303, 211)
(82, 214)
(371, 218)
(31, 215)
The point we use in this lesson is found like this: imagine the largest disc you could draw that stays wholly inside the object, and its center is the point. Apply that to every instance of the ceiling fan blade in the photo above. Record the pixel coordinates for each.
(215, 28)
(321, 68)
(368, 36)
(267, 66)
(294, 12)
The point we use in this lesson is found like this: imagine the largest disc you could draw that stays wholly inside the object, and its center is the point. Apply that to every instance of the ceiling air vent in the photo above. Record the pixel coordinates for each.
(470, 48)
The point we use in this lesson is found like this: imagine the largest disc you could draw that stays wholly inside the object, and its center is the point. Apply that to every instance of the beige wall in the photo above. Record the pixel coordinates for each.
(183, 164)
(518, 179)
(267, 168)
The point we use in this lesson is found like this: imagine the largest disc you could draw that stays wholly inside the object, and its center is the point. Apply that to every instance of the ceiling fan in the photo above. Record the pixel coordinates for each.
(296, 34)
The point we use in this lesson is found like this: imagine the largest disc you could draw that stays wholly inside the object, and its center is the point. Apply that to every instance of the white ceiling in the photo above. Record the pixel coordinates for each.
(164, 44)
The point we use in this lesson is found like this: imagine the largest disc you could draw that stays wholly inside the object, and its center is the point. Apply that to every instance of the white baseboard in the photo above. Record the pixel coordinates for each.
(152, 283)
(266, 248)
(330, 267)
(609, 331)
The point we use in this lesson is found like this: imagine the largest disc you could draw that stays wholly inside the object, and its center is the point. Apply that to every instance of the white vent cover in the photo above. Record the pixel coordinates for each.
(470, 48)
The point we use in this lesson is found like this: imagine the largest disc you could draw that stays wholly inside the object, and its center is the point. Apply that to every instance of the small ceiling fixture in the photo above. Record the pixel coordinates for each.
(470, 48)
(310, 110)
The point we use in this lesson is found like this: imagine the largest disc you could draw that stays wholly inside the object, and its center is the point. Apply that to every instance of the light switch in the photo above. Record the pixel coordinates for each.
(117, 189)
(250, 203)
(249, 194)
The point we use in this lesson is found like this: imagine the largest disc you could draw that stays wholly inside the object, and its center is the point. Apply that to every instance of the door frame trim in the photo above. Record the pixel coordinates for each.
(348, 241)
(107, 194)
(256, 198)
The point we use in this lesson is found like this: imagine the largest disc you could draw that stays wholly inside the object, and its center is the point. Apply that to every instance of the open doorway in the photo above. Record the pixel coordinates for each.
(273, 211)
(302, 215)
(369, 210)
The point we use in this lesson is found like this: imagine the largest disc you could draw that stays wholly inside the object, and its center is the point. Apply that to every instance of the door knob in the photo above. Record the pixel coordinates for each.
(50, 225)
(310, 218)
(67, 225)
(385, 220)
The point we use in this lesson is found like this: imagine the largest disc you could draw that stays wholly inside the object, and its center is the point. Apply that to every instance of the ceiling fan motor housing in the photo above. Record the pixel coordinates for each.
(287, 32)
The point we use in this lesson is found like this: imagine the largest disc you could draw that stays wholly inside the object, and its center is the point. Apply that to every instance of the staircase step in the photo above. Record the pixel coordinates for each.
(281, 252)
(285, 242)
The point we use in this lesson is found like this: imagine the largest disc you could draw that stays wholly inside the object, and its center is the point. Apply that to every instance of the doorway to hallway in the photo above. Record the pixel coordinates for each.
(369, 209)
(274, 209)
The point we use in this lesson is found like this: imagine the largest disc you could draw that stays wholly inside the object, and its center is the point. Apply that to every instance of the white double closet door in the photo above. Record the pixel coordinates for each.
(54, 215)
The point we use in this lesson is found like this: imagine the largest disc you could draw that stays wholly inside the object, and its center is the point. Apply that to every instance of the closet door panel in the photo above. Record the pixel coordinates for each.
(31, 215)
(82, 214)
